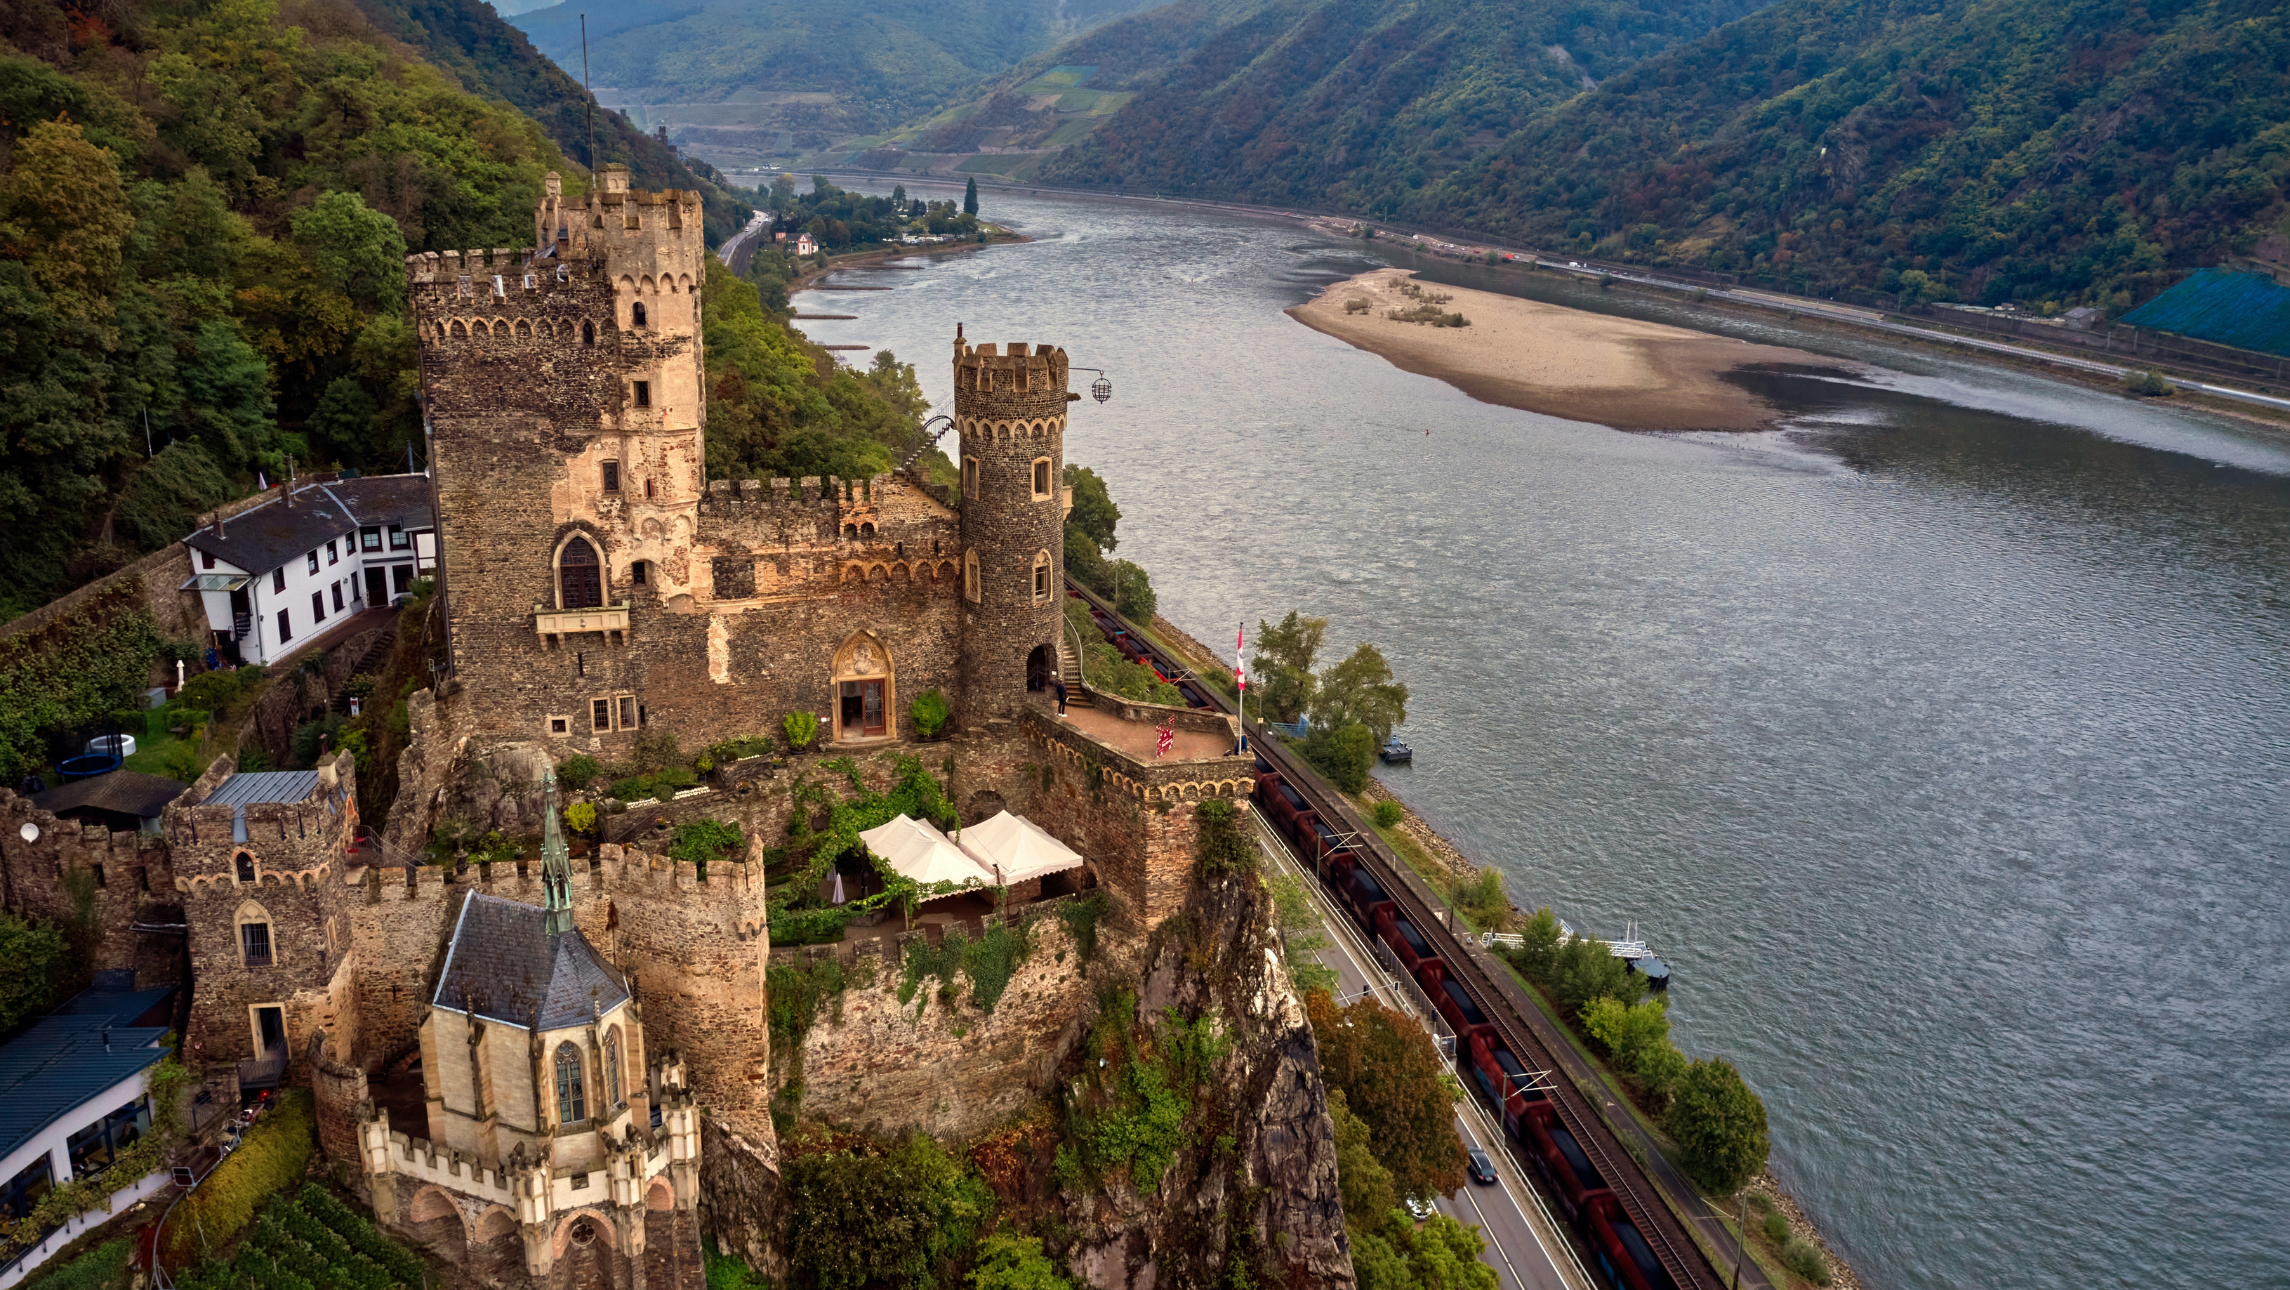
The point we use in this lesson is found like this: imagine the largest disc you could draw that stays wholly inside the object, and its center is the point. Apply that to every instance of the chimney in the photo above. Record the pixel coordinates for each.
(286, 490)
(220, 536)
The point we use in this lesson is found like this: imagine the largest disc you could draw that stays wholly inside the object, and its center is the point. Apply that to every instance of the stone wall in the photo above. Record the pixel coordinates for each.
(129, 879)
(953, 1072)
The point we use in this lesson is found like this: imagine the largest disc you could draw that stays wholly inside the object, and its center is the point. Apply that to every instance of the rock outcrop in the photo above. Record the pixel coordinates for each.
(1256, 1180)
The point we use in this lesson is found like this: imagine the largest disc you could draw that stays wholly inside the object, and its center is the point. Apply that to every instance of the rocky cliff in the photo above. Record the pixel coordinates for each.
(1253, 1180)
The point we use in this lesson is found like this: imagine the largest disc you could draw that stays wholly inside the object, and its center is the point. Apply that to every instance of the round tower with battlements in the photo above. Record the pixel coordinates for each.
(1009, 410)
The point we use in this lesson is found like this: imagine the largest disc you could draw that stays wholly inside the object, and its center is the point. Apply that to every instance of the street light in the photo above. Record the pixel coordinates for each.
(1100, 389)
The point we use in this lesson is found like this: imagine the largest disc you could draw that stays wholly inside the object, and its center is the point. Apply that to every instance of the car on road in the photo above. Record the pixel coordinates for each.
(1482, 1169)
(1419, 1209)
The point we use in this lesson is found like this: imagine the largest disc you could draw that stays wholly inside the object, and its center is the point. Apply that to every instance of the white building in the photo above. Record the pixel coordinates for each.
(73, 1095)
(296, 568)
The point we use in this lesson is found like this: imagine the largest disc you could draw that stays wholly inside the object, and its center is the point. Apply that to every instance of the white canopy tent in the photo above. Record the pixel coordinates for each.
(1018, 847)
(916, 849)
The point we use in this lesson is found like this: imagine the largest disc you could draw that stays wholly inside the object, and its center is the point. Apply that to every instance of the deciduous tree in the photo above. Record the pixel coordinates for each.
(1360, 691)
(1719, 1124)
(1391, 1078)
(1285, 656)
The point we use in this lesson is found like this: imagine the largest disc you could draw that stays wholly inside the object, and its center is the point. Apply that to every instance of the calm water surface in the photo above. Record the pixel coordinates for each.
(1940, 740)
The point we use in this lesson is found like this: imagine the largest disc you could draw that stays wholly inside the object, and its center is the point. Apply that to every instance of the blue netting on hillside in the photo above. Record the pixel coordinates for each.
(2245, 310)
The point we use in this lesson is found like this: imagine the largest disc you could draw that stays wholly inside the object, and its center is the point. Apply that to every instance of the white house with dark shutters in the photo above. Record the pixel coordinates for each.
(296, 568)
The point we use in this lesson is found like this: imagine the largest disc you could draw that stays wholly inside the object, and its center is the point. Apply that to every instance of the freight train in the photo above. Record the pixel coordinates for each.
(1620, 1253)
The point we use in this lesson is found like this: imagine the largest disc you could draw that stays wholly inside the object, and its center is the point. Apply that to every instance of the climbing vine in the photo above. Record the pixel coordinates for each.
(1128, 1110)
(71, 1199)
(989, 962)
(916, 793)
(1081, 916)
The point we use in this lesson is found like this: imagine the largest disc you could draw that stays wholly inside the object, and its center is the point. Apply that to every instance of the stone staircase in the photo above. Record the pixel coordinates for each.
(1069, 671)
(370, 662)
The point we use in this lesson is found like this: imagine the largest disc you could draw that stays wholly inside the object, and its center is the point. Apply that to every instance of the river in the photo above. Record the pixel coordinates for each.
(1939, 739)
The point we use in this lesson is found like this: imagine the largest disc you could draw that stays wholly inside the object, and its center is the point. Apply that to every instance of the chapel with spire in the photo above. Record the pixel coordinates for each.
(544, 1117)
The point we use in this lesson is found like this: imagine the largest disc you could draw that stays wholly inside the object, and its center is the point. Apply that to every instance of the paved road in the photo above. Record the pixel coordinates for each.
(1523, 1245)
(739, 245)
(1864, 318)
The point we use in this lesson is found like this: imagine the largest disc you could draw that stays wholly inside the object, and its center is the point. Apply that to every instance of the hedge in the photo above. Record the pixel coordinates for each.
(274, 1153)
(102, 1268)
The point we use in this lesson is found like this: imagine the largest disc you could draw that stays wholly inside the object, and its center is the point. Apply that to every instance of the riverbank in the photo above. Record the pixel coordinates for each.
(811, 277)
(1561, 362)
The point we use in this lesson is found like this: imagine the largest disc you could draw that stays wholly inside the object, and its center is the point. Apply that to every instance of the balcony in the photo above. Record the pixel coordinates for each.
(556, 624)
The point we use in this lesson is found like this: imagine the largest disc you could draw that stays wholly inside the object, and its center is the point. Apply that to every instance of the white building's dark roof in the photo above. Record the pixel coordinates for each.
(56, 1066)
(261, 539)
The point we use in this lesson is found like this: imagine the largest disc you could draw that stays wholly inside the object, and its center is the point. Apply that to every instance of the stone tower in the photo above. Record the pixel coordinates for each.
(1009, 409)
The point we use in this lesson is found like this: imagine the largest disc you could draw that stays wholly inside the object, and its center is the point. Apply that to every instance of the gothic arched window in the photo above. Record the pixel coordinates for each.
(572, 1098)
(245, 866)
(580, 578)
(612, 1090)
(588, 333)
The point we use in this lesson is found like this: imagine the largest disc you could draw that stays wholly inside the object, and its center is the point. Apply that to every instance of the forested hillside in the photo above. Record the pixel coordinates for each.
(204, 214)
(1344, 106)
(841, 69)
(1991, 150)
(496, 60)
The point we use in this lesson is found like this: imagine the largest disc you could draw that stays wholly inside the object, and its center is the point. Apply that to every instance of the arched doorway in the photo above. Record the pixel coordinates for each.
(1038, 669)
(866, 691)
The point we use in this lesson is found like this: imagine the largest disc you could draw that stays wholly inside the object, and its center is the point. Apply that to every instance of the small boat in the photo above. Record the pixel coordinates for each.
(1395, 753)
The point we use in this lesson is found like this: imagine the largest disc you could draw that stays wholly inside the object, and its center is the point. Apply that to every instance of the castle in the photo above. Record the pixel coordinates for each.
(595, 1064)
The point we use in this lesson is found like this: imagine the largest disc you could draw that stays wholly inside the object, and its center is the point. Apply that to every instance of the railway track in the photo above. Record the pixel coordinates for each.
(1640, 1195)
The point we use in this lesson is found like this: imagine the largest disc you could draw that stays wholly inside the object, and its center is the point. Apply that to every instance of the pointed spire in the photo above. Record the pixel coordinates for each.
(556, 861)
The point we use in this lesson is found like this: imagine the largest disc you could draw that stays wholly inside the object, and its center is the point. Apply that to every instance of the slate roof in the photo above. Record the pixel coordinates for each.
(125, 792)
(250, 787)
(122, 1007)
(56, 1066)
(261, 539)
(504, 966)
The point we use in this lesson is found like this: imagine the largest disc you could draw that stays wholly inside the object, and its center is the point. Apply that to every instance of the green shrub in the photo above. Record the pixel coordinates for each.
(727, 1273)
(2148, 384)
(1109, 672)
(1585, 968)
(801, 728)
(580, 817)
(916, 1205)
(1776, 1228)
(1801, 1258)
(578, 771)
(703, 840)
(1538, 947)
(32, 956)
(1344, 755)
(1388, 813)
(102, 1268)
(930, 712)
(253, 760)
(273, 1154)
(311, 736)
(1007, 1261)
(1485, 901)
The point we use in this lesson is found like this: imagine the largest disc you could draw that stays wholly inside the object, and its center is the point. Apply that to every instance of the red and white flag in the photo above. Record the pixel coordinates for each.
(1239, 654)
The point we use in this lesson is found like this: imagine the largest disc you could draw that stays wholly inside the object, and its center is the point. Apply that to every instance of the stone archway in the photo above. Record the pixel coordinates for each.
(865, 689)
(439, 1224)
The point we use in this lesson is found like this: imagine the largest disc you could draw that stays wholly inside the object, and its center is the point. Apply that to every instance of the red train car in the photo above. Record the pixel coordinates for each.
(1290, 813)
(1560, 1160)
(1407, 944)
(1453, 1001)
(1625, 1260)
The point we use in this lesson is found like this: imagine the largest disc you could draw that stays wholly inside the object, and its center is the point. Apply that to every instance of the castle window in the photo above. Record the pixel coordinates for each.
(370, 539)
(278, 578)
(313, 561)
(970, 477)
(572, 1097)
(649, 487)
(524, 329)
(588, 333)
(207, 559)
(970, 575)
(612, 477)
(560, 726)
(285, 628)
(532, 282)
(638, 573)
(254, 942)
(629, 719)
(244, 864)
(1041, 479)
(613, 1094)
(643, 388)
(564, 271)
(636, 314)
(580, 583)
(600, 715)
(866, 530)
(1041, 576)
